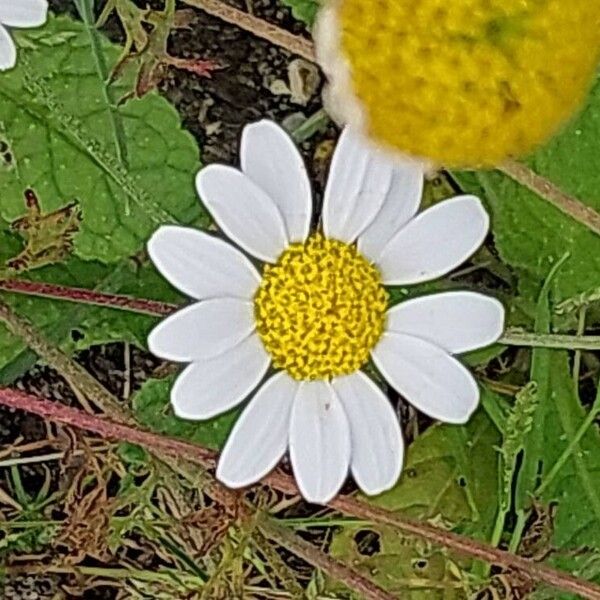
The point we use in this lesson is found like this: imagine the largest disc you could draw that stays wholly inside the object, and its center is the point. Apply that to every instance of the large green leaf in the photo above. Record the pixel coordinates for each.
(63, 135)
(451, 478)
(529, 233)
(65, 141)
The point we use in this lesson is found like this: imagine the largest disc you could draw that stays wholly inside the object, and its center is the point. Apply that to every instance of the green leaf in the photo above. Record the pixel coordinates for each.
(533, 443)
(450, 477)
(152, 409)
(559, 415)
(63, 142)
(133, 456)
(576, 487)
(303, 10)
(60, 128)
(530, 234)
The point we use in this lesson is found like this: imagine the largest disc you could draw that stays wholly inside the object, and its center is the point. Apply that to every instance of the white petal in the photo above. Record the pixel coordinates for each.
(8, 52)
(435, 242)
(427, 376)
(201, 265)
(203, 330)
(377, 445)
(23, 13)
(270, 158)
(359, 180)
(243, 211)
(401, 204)
(209, 387)
(455, 321)
(260, 436)
(319, 441)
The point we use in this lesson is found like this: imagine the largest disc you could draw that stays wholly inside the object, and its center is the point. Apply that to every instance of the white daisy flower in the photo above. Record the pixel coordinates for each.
(21, 14)
(317, 312)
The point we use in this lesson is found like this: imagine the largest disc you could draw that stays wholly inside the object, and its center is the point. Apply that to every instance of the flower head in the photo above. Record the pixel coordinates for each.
(316, 311)
(458, 82)
(18, 13)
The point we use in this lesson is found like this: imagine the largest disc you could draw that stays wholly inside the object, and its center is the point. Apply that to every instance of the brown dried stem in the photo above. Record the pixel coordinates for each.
(514, 337)
(547, 190)
(326, 563)
(260, 28)
(206, 458)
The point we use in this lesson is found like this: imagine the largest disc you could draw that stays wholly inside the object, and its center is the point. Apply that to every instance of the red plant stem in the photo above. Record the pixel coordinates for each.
(108, 429)
(85, 296)
(105, 428)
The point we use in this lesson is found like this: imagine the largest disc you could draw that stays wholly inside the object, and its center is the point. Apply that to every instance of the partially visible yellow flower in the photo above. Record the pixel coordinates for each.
(458, 82)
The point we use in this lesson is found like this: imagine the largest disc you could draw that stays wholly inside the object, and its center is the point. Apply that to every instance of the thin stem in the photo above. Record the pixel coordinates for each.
(27, 524)
(145, 306)
(29, 460)
(107, 429)
(86, 12)
(550, 340)
(326, 563)
(166, 576)
(547, 190)
(260, 28)
(86, 296)
(577, 357)
(307, 522)
(75, 374)
(517, 533)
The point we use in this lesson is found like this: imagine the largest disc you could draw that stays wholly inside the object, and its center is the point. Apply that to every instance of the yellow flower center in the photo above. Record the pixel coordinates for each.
(468, 82)
(320, 310)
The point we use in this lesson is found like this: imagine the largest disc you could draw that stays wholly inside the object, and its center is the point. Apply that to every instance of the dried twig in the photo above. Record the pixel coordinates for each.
(547, 190)
(326, 563)
(276, 35)
(79, 379)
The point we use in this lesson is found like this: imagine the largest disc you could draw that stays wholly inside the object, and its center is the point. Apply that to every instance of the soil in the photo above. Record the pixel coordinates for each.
(216, 109)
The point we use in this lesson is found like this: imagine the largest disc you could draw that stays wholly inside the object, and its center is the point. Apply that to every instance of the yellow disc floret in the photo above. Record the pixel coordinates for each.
(462, 82)
(320, 309)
